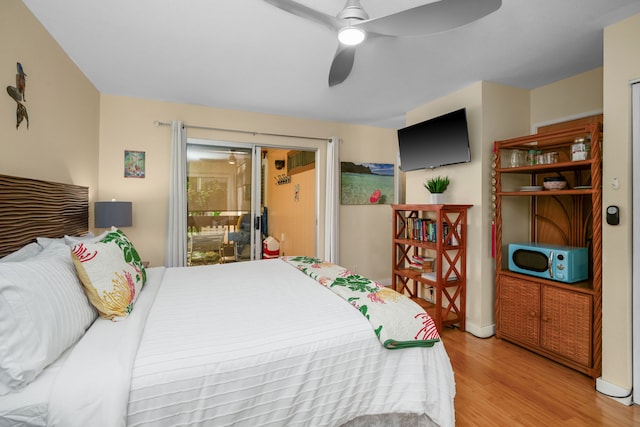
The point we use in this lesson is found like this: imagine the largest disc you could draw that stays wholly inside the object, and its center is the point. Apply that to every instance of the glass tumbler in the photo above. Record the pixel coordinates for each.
(551, 157)
(517, 158)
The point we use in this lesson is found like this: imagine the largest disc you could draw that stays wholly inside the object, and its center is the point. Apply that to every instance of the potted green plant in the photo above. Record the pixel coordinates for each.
(436, 186)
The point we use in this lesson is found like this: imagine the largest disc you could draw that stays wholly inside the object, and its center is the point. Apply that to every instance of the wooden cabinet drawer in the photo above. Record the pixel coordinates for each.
(520, 310)
(566, 324)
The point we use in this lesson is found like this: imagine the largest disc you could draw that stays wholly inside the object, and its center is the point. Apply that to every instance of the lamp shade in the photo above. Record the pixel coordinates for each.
(116, 214)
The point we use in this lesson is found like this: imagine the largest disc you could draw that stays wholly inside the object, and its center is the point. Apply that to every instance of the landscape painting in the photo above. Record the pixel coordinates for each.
(366, 183)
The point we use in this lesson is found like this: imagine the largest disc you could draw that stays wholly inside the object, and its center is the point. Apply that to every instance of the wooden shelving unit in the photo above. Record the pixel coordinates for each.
(448, 249)
(558, 320)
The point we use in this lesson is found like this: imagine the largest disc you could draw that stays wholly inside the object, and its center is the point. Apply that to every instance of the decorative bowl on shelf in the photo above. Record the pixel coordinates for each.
(554, 183)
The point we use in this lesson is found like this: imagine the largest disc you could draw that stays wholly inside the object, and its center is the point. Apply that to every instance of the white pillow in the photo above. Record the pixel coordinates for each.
(71, 241)
(112, 274)
(43, 311)
(46, 241)
(28, 251)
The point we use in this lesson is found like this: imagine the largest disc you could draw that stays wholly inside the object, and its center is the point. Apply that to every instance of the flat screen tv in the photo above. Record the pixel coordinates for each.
(436, 142)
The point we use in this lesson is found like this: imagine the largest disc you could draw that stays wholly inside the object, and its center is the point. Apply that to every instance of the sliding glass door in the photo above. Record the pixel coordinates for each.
(230, 186)
(223, 207)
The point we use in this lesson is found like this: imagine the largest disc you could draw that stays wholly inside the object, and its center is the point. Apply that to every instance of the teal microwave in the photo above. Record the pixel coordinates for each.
(566, 264)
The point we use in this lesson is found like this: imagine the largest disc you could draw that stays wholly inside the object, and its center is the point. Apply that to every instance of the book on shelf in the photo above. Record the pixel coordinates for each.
(415, 266)
(428, 265)
(431, 275)
(426, 230)
(416, 262)
(421, 229)
(417, 258)
(421, 263)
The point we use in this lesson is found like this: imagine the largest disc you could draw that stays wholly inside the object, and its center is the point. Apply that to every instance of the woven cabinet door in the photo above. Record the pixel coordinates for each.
(519, 310)
(566, 324)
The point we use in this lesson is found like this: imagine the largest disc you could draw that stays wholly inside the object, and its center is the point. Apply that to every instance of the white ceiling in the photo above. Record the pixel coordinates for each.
(248, 55)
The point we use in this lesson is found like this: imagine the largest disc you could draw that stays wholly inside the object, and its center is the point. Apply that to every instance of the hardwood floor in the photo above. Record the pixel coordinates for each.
(501, 384)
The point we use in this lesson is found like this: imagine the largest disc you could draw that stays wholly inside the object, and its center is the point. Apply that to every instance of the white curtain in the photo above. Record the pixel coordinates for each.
(635, 225)
(176, 252)
(332, 215)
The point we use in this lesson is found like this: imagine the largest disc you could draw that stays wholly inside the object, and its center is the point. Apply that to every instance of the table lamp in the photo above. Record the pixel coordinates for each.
(112, 214)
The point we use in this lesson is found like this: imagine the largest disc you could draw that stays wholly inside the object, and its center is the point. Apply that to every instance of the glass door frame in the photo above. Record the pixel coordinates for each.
(256, 202)
(248, 148)
(256, 184)
(635, 269)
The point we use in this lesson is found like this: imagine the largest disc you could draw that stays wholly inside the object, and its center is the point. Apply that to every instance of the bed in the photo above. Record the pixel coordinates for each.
(255, 343)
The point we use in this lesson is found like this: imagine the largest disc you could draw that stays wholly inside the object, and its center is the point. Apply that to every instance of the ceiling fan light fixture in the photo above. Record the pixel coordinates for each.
(353, 10)
(351, 36)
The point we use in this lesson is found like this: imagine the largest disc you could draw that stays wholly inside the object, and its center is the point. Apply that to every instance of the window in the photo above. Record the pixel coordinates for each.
(300, 161)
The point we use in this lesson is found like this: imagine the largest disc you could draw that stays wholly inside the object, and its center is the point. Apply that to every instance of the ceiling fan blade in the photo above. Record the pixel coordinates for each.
(342, 64)
(306, 12)
(431, 18)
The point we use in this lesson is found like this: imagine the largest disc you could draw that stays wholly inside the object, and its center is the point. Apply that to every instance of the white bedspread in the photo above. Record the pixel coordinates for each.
(245, 344)
(259, 344)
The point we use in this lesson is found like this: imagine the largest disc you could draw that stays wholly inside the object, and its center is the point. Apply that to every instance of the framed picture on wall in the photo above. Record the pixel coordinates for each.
(366, 183)
(134, 164)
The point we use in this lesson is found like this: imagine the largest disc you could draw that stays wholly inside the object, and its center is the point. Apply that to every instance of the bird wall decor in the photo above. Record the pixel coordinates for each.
(17, 93)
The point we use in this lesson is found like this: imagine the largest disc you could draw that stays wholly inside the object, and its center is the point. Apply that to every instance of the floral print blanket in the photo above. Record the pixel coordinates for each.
(397, 321)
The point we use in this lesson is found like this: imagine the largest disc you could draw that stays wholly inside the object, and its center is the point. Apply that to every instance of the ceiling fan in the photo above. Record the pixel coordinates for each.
(354, 26)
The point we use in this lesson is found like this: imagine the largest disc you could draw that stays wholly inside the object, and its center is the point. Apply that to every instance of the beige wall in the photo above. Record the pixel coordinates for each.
(127, 124)
(493, 112)
(465, 188)
(61, 143)
(577, 96)
(365, 230)
(621, 65)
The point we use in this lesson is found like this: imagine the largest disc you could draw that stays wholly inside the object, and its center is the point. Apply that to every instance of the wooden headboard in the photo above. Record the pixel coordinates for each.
(31, 208)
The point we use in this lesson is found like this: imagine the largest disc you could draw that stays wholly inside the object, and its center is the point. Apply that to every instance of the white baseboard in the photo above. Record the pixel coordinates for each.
(480, 331)
(384, 282)
(615, 392)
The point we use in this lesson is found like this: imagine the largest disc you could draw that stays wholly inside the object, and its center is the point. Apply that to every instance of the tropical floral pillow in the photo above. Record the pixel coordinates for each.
(111, 272)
